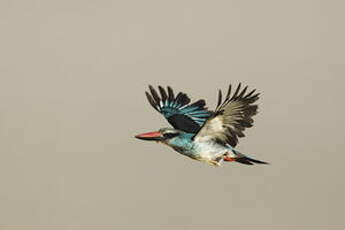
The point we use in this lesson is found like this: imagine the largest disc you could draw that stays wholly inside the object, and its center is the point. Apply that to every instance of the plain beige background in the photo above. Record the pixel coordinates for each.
(72, 82)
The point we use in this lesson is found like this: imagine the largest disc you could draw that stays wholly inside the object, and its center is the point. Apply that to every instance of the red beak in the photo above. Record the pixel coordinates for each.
(151, 136)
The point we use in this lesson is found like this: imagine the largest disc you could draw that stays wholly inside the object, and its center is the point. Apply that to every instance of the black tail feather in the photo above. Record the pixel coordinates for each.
(244, 160)
(249, 161)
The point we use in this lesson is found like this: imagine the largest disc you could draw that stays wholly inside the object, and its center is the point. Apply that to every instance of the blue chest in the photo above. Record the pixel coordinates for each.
(183, 143)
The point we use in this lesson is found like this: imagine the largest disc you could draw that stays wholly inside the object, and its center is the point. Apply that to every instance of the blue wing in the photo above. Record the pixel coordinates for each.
(177, 110)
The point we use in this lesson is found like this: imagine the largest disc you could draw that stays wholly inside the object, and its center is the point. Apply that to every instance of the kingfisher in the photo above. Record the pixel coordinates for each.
(202, 134)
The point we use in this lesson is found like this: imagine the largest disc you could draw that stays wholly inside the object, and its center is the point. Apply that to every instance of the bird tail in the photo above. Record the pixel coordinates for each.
(243, 159)
(249, 161)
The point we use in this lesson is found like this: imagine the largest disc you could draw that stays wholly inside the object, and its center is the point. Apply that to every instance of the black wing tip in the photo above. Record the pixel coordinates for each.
(219, 97)
(151, 101)
(163, 94)
(239, 94)
(151, 87)
(199, 103)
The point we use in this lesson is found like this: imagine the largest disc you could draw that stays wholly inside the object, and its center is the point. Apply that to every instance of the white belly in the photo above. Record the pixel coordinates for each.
(211, 150)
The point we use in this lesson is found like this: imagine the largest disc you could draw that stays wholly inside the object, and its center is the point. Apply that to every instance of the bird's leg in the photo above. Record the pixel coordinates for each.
(209, 161)
(219, 159)
(214, 163)
(226, 157)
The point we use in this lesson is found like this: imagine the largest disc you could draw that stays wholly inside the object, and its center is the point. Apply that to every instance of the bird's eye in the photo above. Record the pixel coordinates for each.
(170, 135)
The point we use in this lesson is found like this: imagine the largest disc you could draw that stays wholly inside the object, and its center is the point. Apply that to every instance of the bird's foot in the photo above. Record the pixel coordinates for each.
(227, 158)
(209, 161)
(214, 163)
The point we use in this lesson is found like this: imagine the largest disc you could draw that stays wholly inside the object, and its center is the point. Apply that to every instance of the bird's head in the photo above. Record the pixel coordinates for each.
(162, 135)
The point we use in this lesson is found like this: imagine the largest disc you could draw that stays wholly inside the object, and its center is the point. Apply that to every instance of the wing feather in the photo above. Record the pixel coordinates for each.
(219, 98)
(170, 94)
(152, 101)
(154, 94)
(231, 117)
(163, 93)
(177, 110)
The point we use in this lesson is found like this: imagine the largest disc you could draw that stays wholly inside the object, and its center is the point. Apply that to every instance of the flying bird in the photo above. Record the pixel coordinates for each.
(201, 134)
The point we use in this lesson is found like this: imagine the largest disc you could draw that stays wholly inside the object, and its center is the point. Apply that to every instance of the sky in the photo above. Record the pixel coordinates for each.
(72, 80)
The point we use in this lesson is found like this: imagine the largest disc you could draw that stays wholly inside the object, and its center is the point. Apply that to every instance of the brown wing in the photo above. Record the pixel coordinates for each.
(231, 117)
